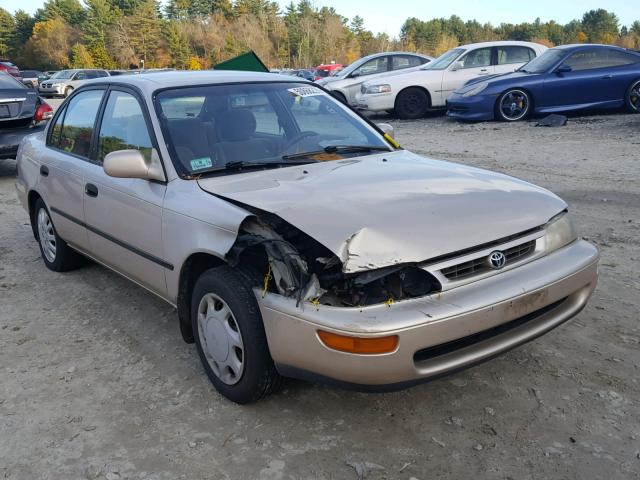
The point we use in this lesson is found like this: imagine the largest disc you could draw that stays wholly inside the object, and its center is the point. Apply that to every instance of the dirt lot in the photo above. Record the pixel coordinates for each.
(96, 382)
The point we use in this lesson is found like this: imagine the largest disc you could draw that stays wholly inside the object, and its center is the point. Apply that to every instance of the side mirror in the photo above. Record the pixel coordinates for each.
(457, 66)
(386, 129)
(564, 68)
(355, 73)
(132, 164)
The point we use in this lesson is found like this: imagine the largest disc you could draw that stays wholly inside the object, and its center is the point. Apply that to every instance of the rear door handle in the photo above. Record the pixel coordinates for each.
(44, 170)
(91, 190)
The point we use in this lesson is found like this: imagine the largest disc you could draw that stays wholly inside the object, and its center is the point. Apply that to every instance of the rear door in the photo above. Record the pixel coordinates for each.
(474, 64)
(62, 170)
(124, 215)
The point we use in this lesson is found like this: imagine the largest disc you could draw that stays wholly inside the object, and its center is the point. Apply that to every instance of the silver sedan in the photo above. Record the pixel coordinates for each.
(294, 237)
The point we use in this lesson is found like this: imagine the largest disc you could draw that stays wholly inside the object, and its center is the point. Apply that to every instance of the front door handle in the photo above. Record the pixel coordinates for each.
(44, 170)
(91, 190)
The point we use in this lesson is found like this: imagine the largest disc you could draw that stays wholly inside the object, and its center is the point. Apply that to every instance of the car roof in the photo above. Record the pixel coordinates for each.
(501, 43)
(576, 46)
(149, 82)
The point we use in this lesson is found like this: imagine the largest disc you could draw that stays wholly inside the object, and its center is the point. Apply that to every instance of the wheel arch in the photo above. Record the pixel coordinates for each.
(32, 198)
(419, 87)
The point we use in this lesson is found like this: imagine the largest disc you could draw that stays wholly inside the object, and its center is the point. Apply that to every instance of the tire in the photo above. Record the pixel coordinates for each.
(632, 98)
(230, 337)
(513, 105)
(340, 97)
(56, 254)
(412, 103)
(68, 91)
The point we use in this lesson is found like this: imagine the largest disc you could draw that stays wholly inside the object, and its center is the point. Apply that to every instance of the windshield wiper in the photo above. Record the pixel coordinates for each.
(243, 164)
(338, 149)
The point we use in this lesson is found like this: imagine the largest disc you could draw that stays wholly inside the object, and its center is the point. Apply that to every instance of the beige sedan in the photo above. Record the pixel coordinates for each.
(294, 237)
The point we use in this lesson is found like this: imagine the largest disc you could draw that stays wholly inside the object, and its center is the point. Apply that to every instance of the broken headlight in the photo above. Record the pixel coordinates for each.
(559, 232)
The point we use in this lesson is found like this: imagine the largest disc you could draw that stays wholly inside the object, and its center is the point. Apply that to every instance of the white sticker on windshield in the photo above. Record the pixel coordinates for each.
(306, 91)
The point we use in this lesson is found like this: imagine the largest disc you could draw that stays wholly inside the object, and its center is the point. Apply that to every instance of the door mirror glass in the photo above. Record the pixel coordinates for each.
(355, 73)
(564, 68)
(130, 164)
(457, 66)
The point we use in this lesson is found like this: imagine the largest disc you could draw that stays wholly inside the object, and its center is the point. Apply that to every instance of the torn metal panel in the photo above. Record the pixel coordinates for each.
(392, 208)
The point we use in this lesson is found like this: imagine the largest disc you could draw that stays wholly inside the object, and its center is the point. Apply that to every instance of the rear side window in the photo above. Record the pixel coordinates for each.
(514, 54)
(123, 126)
(406, 61)
(588, 59)
(78, 123)
(618, 58)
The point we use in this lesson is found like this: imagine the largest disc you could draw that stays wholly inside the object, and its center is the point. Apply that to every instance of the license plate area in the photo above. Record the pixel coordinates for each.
(4, 111)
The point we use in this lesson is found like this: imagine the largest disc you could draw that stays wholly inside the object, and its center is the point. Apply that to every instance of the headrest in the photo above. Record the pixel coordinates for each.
(237, 125)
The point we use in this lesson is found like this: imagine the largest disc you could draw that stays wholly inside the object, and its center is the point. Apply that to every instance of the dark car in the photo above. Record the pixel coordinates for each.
(570, 77)
(22, 112)
(306, 74)
(10, 68)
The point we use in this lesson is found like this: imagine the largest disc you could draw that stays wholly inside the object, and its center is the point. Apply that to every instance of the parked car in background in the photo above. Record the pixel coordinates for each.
(32, 78)
(323, 71)
(411, 94)
(10, 68)
(305, 73)
(22, 112)
(569, 77)
(345, 84)
(64, 82)
(49, 73)
(415, 267)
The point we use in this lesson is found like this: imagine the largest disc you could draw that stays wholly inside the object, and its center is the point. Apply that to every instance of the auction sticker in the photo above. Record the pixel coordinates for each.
(200, 163)
(305, 91)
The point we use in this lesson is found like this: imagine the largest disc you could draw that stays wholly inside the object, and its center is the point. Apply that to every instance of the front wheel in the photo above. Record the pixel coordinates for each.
(513, 105)
(230, 336)
(632, 99)
(412, 103)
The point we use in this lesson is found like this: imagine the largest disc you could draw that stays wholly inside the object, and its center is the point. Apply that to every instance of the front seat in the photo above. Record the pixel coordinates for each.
(237, 141)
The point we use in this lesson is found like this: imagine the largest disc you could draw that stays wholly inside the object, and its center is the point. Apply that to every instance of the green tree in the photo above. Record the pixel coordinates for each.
(80, 57)
(70, 11)
(178, 46)
(7, 32)
(600, 25)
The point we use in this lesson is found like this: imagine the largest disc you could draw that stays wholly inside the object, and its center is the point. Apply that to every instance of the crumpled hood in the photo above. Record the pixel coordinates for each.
(379, 210)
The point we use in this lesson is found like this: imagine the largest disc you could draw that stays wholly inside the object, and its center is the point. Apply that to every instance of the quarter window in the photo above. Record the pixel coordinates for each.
(616, 58)
(477, 58)
(123, 126)
(514, 54)
(78, 123)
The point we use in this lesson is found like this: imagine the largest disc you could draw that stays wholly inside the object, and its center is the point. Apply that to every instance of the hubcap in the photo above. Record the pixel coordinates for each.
(634, 96)
(514, 105)
(221, 339)
(47, 235)
(412, 103)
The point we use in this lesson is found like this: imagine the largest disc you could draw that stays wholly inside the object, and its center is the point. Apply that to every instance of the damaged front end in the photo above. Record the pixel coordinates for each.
(294, 265)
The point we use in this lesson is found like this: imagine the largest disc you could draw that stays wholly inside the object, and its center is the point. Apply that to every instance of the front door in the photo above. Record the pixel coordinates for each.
(472, 65)
(124, 215)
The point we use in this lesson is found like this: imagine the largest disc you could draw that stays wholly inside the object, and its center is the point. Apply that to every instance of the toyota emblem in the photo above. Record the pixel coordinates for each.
(497, 260)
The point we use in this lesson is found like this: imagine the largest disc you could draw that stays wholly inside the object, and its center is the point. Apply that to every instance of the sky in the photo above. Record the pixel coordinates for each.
(388, 17)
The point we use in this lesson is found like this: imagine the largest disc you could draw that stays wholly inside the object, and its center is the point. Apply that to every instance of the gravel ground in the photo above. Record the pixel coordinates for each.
(95, 381)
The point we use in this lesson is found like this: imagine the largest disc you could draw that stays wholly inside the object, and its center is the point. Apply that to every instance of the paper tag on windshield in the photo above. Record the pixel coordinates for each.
(200, 163)
(305, 91)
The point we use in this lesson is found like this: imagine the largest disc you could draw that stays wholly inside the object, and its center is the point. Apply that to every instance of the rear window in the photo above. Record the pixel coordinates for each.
(8, 82)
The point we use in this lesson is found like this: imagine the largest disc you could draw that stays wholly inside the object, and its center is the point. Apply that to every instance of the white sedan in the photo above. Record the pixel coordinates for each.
(411, 94)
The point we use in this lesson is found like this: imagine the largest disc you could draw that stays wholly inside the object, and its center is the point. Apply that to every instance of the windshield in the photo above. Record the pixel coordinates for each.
(214, 127)
(444, 60)
(63, 74)
(544, 62)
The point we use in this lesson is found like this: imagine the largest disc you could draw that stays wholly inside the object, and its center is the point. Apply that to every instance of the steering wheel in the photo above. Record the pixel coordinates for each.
(297, 138)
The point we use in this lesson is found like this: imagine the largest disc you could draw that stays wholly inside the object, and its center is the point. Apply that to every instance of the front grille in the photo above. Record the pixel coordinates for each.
(435, 351)
(46, 85)
(481, 265)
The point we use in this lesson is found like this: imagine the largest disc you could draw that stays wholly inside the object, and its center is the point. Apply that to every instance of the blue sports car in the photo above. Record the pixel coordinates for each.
(570, 77)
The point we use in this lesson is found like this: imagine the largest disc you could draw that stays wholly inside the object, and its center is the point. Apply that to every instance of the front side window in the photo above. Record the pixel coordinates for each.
(211, 128)
(80, 76)
(444, 60)
(377, 65)
(123, 126)
(477, 58)
(514, 54)
(78, 123)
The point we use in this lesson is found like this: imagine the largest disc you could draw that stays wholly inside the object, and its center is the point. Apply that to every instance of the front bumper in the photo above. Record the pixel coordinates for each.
(51, 91)
(475, 108)
(11, 138)
(437, 334)
(375, 102)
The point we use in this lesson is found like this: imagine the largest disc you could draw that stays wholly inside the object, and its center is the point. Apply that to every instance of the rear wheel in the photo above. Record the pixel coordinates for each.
(56, 254)
(230, 336)
(513, 105)
(412, 103)
(632, 98)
